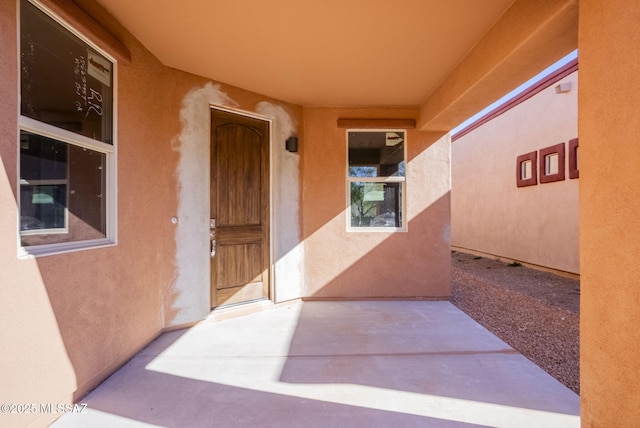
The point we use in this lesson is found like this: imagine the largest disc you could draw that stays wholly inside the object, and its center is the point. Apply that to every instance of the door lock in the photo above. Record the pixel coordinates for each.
(212, 236)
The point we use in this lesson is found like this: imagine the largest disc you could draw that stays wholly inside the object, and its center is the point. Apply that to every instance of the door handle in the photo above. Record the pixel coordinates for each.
(212, 236)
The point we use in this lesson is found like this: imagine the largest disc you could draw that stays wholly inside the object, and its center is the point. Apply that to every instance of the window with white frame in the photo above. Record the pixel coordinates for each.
(66, 148)
(376, 179)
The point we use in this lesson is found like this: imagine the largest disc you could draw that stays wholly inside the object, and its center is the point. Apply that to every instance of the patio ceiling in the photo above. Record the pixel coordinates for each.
(315, 53)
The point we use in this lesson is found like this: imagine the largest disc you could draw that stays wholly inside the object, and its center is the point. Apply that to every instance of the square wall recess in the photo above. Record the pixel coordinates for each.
(574, 172)
(526, 169)
(552, 164)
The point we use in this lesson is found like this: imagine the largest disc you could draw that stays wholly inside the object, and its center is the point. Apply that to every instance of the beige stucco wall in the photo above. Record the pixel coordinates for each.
(74, 318)
(69, 320)
(195, 96)
(341, 264)
(609, 124)
(489, 213)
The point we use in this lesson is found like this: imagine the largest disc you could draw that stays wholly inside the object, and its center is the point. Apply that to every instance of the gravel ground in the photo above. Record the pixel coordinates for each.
(536, 313)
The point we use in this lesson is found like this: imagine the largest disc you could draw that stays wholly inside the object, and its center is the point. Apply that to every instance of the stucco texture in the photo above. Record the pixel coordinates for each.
(72, 319)
(69, 317)
(609, 204)
(341, 264)
(490, 214)
(69, 320)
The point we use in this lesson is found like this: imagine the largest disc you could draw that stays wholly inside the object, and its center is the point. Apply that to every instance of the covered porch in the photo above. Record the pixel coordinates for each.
(322, 364)
(76, 309)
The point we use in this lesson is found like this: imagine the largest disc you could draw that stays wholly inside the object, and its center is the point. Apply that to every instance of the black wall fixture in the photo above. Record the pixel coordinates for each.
(291, 144)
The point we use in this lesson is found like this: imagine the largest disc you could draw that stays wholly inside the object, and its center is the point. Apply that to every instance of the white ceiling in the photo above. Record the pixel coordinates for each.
(314, 52)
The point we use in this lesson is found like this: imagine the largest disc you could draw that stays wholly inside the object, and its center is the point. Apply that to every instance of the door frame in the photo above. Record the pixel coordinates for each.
(238, 112)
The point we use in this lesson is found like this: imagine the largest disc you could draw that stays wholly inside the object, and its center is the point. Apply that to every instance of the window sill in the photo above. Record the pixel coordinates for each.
(376, 229)
(54, 249)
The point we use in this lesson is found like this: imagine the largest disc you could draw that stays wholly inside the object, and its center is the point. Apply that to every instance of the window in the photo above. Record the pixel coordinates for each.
(526, 169)
(376, 179)
(66, 147)
(552, 163)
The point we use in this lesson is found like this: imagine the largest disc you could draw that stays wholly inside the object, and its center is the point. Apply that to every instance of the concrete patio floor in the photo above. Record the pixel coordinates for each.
(331, 364)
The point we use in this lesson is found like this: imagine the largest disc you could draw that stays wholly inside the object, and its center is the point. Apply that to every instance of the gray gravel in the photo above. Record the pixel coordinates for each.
(536, 313)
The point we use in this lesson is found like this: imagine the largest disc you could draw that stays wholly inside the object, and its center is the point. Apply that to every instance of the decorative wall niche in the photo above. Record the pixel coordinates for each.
(526, 169)
(552, 164)
(574, 172)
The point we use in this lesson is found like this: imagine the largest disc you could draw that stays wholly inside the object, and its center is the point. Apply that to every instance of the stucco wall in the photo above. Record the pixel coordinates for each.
(489, 213)
(69, 320)
(341, 264)
(195, 96)
(609, 123)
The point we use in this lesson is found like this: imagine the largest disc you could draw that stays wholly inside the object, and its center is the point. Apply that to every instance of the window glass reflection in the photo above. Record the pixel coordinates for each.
(376, 154)
(376, 204)
(64, 82)
(62, 191)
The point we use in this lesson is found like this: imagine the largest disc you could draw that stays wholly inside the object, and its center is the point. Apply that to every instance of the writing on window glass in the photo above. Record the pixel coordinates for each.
(89, 99)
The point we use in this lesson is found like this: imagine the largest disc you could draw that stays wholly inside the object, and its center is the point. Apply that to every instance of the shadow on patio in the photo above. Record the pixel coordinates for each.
(321, 364)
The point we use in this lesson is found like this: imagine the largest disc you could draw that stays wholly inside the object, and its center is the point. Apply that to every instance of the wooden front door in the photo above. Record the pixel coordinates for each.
(239, 209)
